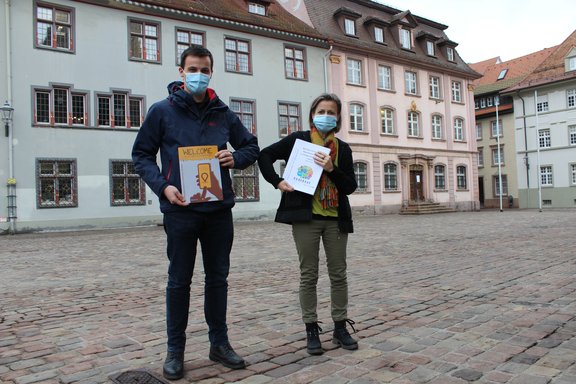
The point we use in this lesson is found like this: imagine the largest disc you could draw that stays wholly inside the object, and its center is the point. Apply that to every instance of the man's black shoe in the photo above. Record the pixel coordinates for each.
(174, 366)
(225, 355)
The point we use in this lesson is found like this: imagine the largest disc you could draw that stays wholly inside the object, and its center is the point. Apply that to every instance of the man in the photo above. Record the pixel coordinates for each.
(193, 115)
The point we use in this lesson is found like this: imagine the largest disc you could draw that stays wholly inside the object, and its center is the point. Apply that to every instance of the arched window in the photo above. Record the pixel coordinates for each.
(356, 117)
(390, 177)
(361, 175)
(387, 120)
(461, 177)
(440, 177)
(413, 124)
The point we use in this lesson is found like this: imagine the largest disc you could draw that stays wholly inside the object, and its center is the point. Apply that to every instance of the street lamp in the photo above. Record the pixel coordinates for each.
(7, 111)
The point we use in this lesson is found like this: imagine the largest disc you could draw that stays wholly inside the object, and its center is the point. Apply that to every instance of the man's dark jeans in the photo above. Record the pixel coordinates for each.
(215, 232)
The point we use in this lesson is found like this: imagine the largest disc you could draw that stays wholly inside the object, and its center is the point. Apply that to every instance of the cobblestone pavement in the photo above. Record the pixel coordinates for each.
(484, 297)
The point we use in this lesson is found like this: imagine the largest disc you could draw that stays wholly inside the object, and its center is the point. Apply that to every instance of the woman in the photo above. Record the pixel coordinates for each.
(326, 215)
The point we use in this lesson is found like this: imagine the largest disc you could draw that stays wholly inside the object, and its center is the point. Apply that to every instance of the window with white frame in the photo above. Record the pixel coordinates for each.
(390, 177)
(440, 177)
(144, 40)
(354, 71)
(411, 82)
(56, 183)
(572, 134)
(571, 63)
(413, 124)
(573, 173)
(295, 63)
(478, 131)
(458, 129)
(480, 156)
(54, 25)
(387, 120)
(496, 184)
(434, 87)
(384, 77)
(257, 9)
(482, 103)
(246, 112)
(245, 183)
(405, 38)
(361, 174)
(546, 175)
(356, 117)
(437, 127)
(126, 186)
(378, 35)
(571, 98)
(450, 54)
(238, 55)
(119, 110)
(542, 103)
(502, 74)
(430, 48)
(461, 183)
(496, 128)
(490, 101)
(544, 140)
(457, 91)
(476, 104)
(59, 105)
(497, 155)
(350, 27)
(289, 118)
(185, 38)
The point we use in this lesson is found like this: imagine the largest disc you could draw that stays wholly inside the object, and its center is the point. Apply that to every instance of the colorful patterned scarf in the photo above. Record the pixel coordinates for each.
(328, 191)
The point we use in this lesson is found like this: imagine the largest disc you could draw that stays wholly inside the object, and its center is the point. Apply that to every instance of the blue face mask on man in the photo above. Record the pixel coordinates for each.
(197, 82)
(324, 123)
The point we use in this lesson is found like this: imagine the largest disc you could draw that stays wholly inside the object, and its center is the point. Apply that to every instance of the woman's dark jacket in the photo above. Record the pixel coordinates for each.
(297, 206)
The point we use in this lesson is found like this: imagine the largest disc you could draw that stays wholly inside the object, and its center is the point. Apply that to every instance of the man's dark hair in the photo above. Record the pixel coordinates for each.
(198, 51)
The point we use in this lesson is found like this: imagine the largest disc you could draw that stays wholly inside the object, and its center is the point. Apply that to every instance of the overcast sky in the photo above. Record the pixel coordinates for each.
(488, 28)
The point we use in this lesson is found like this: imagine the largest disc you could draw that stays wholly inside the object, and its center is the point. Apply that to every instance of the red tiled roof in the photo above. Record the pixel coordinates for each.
(552, 69)
(481, 66)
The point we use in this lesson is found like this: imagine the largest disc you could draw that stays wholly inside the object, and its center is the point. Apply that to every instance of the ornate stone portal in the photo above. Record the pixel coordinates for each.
(417, 177)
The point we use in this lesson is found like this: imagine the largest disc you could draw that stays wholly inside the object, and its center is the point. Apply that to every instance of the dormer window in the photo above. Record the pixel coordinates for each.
(405, 38)
(346, 19)
(350, 27)
(376, 27)
(502, 74)
(430, 48)
(450, 54)
(571, 64)
(257, 9)
(378, 35)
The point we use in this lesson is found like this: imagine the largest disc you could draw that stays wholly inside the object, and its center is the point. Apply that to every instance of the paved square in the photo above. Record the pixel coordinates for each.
(483, 297)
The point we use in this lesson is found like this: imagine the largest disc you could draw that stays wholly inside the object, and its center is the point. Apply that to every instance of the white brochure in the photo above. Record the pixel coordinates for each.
(301, 171)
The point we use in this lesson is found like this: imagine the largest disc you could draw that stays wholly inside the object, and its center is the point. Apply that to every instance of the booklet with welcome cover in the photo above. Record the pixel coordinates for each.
(200, 173)
(301, 171)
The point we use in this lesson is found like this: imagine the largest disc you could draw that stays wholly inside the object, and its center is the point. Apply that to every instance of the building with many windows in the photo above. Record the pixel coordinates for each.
(407, 104)
(81, 75)
(545, 126)
(495, 129)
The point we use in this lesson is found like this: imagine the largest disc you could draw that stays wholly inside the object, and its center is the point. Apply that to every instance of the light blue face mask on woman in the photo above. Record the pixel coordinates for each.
(324, 123)
(197, 82)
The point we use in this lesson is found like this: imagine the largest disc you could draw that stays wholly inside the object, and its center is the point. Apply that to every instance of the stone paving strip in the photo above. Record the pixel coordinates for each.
(478, 297)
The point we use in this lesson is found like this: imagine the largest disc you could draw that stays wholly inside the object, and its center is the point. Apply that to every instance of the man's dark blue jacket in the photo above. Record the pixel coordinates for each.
(178, 121)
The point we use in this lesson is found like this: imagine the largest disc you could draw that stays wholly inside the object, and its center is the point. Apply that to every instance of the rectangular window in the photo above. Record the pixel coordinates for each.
(384, 77)
(450, 54)
(572, 63)
(387, 120)
(390, 177)
(439, 177)
(354, 71)
(405, 39)
(361, 174)
(573, 173)
(542, 103)
(356, 117)
(489, 101)
(496, 128)
(544, 138)
(483, 103)
(289, 118)
(144, 41)
(185, 38)
(54, 26)
(480, 156)
(498, 156)
(237, 57)
(245, 183)
(458, 130)
(457, 91)
(478, 131)
(571, 98)
(434, 87)
(413, 125)
(572, 133)
(350, 27)
(60, 106)
(378, 35)
(436, 127)
(496, 184)
(79, 113)
(56, 183)
(461, 177)
(246, 111)
(546, 175)
(411, 83)
(119, 110)
(257, 9)
(430, 48)
(295, 63)
(126, 186)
